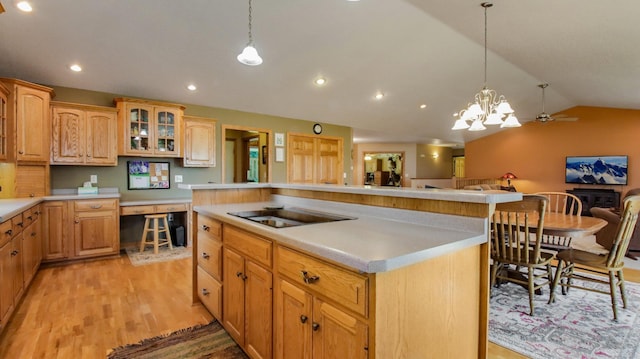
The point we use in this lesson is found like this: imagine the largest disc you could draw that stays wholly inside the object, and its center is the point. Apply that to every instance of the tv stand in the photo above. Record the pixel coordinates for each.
(606, 198)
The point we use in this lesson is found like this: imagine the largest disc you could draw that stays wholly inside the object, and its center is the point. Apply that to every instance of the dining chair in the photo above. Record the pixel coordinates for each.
(560, 202)
(587, 267)
(516, 257)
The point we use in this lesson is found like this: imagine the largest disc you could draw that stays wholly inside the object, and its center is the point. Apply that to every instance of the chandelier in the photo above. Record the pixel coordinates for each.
(488, 108)
(249, 55)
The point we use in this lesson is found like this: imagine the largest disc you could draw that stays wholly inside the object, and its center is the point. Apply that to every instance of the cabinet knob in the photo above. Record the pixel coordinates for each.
(29, 218)
(15, 253)
(315, 326)
(205, 291)
(21, 152)
(8, 232)
(303, 319)
(309, 279)
(76, 221)
(205, 228)
(241, 276)
(19, 224)
(205, 255)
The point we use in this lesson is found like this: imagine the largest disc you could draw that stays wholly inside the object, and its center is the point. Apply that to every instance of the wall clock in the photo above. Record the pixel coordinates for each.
(317, 128)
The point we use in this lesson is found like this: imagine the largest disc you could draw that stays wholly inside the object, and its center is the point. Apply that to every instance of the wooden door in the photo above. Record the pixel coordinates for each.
(32, 180)
(16, 264)
(68, 136)
(258, 311)
(95, 233)
(167, 122)
(31, 245)
(329, 161)
(137, 129)
(101, 138)
(233, 294)
(293, 322)
(337, 334)
(32, 120)
(301, 159)
(55, 238)
(6, 281)
(199, 146)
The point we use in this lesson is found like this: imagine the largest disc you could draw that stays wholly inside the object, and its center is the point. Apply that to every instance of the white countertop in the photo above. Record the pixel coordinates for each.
(404, 192)
(379, 240)
(14, 206)
(146, 202)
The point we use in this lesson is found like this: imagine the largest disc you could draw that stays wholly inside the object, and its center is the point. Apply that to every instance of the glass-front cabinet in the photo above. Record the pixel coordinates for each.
(149, 128)
(4, 129)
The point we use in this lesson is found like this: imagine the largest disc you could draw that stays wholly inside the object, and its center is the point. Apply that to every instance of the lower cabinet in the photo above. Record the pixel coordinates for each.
(31, 243)
(77, 229)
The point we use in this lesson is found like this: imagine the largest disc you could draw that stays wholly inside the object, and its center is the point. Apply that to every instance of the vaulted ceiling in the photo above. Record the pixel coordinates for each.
(414, 51)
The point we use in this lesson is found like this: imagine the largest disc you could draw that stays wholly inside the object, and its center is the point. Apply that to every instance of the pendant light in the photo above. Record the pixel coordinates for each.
(249, 55)
(488, 108)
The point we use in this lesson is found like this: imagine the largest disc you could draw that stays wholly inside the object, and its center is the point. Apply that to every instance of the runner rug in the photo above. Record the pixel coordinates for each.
(578, 325)
(164, 254)
(202, 341)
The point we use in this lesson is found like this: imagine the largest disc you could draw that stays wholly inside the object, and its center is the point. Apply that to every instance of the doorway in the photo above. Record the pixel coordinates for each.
(383, 168)
(245, 154)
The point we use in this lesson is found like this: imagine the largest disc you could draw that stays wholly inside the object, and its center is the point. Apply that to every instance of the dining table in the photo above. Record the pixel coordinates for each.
(567, 225)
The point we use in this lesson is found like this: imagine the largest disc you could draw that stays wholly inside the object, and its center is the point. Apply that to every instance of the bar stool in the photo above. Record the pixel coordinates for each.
(153, 219)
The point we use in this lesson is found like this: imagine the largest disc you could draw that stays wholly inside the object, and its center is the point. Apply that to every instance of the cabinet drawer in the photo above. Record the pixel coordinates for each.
(131, 210)
(28, 216)
(17, 224)
(210, 256)
(6, 232)
(347, 288)
(210, 293)
(175, 207)
(209, 227)
(251, 245)
(94, 205)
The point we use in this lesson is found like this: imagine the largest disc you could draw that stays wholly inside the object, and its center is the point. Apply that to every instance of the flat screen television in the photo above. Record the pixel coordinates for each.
(606, 170)
(148, 175)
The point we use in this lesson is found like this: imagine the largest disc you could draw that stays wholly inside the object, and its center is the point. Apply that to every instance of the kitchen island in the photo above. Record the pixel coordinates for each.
(407, 277)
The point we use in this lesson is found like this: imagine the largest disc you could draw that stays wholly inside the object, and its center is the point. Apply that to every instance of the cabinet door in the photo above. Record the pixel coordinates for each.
(258, 311)
(101, 138)
(55, 241)
(32, 121)
(4, 125)
(337, 334)
(6, 281)
(293, 322)
(167, 131)
(96, 233)
(138, 130)
(31, 251)
(16, 265)
(300, 166)
(233, 294)
(199, 146)
(329, 161)
(68, 136)
(32, 180)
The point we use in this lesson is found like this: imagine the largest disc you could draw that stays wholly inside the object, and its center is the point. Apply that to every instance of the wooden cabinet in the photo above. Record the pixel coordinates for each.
(32, 180)
(149, 128)
(28, 110)
(247, 296)
(4, 125)
(31, 243)
(314, 159)
(308, 326)
(83, 135)
(80, 229)
(199, 142)
(209, 264)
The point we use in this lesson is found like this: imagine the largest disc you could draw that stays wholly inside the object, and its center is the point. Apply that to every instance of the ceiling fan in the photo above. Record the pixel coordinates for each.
(543, 117)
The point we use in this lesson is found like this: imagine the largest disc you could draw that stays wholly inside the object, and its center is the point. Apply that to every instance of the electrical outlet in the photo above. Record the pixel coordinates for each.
(94, 178)
(178, 178)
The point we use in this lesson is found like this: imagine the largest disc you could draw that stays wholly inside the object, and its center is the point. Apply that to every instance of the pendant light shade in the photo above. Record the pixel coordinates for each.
(249, 55)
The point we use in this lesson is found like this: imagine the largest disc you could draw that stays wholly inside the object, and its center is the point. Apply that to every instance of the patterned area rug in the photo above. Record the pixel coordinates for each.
(578, 325)
(164, 254)
(203, 341)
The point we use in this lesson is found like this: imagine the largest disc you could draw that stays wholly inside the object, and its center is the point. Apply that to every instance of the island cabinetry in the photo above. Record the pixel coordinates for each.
(83, 135)
(247, 296)
(199, 142)
(149, 128)
(314, 308)
(209, 260)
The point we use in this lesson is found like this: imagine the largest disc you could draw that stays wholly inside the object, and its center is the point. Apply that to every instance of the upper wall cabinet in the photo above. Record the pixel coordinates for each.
(4, 130)
(83, 135)
(28, 110)
(199, 142)
(149, 128)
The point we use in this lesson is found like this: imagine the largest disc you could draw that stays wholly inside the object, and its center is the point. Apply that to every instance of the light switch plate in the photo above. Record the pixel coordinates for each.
(178, 178)
(94, 178)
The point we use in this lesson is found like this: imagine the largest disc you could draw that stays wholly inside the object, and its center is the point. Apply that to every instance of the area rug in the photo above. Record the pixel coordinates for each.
(164, 254)
(578, 325)
(202, 341)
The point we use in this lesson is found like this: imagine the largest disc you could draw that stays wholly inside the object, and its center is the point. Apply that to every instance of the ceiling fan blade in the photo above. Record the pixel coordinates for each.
(565, 118)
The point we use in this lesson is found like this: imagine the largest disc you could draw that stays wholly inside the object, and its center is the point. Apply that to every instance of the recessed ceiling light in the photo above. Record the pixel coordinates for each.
(24, 6)
(379, 96)
(191, 87)
(75, 68)
(320, 81)
(423, 106)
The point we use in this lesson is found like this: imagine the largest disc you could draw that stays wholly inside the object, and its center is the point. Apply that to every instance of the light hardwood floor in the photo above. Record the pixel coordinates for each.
(82, 310)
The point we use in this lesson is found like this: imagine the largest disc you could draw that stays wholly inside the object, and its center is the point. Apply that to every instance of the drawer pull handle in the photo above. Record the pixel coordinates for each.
(29, 218)
(241, 276)
(205, 292)
(307, 279)
(9, 232)
(33, 234)
(96, 206)
(303, 319)
(315, 326)
(19, 224)
(205, 228)
(14, 253)
(205, 255)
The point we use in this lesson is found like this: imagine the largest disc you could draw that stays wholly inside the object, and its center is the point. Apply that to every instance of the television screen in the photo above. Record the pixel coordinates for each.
(596, 170)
